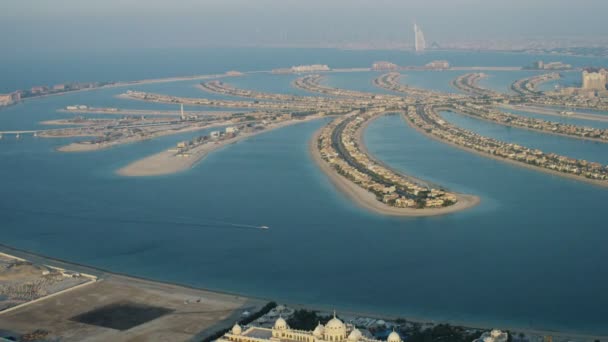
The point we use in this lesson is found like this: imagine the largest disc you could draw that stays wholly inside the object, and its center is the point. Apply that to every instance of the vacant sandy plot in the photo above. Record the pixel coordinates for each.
(185, 312)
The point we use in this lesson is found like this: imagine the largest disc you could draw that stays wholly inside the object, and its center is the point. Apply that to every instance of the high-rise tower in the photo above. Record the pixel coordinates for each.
(419, 42)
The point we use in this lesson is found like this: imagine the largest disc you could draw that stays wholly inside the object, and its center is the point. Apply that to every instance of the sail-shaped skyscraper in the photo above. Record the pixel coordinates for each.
(419, 42)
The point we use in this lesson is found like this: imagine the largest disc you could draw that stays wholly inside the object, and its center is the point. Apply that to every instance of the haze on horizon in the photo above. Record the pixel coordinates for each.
(75, 24)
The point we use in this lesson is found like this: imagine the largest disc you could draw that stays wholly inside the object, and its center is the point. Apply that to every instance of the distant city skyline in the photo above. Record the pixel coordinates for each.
(339, 23)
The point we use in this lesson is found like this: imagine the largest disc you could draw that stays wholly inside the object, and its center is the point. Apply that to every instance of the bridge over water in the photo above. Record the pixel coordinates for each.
(17, 132)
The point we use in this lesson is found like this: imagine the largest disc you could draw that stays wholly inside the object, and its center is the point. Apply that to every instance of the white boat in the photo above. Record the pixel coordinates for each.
(264, 227)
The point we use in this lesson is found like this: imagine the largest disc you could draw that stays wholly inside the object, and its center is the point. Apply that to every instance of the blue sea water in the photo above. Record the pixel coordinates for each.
(572, 147)
(530, 255)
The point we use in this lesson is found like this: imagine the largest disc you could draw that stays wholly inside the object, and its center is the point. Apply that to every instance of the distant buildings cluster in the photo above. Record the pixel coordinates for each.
(595, 79)
(541, 65)
(302, 68)
(9, 99)
(438, 65)
(384, 66)
(388, 66)
(594, 82)
(16, 96)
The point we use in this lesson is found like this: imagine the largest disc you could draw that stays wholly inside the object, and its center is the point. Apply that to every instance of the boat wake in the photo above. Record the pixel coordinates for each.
(178, 221)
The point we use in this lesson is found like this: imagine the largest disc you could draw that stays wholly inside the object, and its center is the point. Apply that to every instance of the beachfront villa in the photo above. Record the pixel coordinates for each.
(334, 331)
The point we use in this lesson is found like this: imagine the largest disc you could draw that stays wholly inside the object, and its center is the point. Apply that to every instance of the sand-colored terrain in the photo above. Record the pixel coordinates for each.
(192, 311)
(185, 313)
(22, 282)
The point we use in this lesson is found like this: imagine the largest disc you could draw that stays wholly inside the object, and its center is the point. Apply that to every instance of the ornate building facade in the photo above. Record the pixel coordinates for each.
(334, 331)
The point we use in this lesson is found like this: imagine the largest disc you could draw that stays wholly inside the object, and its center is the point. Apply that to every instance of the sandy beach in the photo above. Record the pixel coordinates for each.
(512, 162)
(368, 201)
(167, 162)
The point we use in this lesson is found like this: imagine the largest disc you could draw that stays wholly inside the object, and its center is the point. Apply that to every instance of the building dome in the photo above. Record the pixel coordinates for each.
(319, 330)
(355, 335)
(236, 329)
(280, 324)
(335, 325)
(335, 330)
(393, 337)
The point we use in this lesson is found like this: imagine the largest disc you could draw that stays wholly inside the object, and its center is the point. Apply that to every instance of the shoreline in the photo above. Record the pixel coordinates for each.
(128, 83)
(102, 273)
(114, 287)
(166, 162)
(512, 162)
(147, 283)
(368, 201)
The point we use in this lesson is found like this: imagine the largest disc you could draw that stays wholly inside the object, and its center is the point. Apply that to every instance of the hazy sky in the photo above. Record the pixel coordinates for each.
(106, 24)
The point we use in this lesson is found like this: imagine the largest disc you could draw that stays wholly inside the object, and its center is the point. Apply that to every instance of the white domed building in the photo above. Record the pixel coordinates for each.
(236, 329)
(393, 337)
(334, 331)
